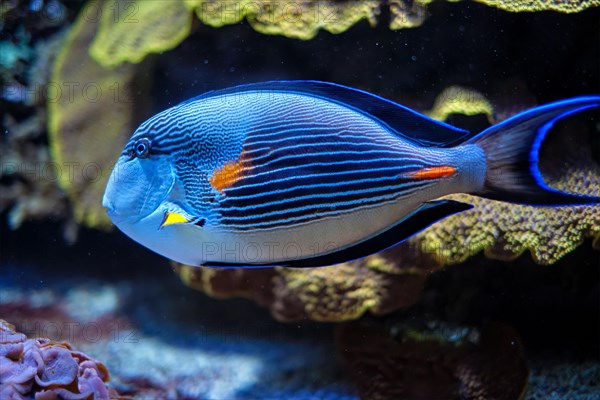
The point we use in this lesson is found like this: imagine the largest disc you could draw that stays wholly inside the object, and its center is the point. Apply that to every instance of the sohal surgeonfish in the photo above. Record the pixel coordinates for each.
(305, 174)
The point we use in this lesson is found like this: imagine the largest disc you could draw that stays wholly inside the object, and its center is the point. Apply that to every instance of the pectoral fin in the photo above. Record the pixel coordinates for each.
(175, 215)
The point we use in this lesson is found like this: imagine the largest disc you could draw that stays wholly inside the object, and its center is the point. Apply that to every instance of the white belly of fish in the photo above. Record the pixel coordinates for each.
(196, 246)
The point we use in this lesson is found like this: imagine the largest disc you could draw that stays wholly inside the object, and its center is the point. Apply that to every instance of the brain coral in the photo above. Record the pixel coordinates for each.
(46, 370)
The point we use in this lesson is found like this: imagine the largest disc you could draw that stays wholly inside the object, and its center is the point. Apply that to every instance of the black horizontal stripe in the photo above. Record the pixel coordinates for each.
(317, 212)
(296, 166)
(350, 158)
(288, 183)
(309, 209)
(309, 196)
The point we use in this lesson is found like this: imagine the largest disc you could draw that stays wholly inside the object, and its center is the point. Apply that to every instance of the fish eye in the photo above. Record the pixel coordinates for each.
(141, 148)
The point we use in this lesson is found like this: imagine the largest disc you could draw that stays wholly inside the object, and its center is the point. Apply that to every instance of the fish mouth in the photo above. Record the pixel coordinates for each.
(111, 211)
(110, 207)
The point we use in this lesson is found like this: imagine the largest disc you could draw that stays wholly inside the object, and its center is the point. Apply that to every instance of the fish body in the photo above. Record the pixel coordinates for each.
(307, 173)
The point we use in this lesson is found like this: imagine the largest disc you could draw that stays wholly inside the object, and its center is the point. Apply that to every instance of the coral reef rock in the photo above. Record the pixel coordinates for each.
(380, 284)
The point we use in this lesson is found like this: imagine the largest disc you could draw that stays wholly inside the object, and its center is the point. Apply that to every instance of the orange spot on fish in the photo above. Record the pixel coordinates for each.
(443, 171)
(229, 174)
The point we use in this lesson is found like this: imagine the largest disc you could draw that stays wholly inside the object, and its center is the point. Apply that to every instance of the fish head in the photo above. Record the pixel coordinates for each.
(166, 186)
(142, 179)
(151, 195)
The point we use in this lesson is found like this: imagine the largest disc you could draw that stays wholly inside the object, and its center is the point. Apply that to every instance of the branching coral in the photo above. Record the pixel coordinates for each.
(47, 370)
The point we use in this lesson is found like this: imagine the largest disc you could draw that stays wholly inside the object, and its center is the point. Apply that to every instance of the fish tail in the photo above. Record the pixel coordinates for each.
(512, 149)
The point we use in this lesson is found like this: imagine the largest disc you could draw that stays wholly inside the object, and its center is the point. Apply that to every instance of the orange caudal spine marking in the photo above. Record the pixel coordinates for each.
(229, 174)
(442, 171)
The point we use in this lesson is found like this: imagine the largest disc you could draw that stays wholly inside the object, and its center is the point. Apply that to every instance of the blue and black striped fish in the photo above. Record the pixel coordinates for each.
(305, 173)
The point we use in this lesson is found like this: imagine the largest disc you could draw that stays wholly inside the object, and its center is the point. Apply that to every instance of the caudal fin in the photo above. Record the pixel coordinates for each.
(512, 148)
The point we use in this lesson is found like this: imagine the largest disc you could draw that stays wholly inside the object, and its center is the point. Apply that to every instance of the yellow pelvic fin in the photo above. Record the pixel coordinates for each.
(172, 218)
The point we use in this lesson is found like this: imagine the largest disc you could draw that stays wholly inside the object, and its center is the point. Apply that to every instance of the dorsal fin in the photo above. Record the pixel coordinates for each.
(401, 120)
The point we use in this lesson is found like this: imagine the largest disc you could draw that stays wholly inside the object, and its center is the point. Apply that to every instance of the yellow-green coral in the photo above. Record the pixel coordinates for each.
(412, 13)
(296, 19)
(332, 293)
(407, 14)
(89, 118)
(569, 6)
(504, 231)
(460, 100)
(130, 30)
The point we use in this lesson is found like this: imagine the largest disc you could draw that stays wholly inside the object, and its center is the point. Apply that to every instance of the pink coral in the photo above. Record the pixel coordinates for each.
(46, 370)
